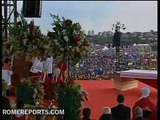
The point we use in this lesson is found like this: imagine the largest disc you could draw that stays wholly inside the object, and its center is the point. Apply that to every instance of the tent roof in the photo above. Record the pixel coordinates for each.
(105, 48)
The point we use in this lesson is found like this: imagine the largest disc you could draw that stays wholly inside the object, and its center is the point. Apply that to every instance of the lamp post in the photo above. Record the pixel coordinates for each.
(116, 40)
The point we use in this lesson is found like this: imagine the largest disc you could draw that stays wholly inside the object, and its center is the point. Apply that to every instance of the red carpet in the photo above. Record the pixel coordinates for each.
(102, 93)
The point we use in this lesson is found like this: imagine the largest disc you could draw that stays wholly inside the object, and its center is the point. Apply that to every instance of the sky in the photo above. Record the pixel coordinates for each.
(138, 16)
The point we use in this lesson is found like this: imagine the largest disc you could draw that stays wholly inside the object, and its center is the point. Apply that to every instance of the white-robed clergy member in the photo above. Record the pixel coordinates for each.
(48, 66)
(149, 108)
(7, 71)
(37, 68)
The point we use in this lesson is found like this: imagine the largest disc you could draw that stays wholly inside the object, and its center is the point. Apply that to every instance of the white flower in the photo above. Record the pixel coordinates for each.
(85, 47)
(35, 93)
(72, 55)
(60, 57)
(66, 38)
(67, 49)
(79, 43)
(35, 47)
(77, 49)
(75, 32)
(83, 53)
(55, 40)
(73, 50)
(59, 33)
(46, 46)
(56, 43)
(63, 31)
(25, 34)
(37, 103)
(22, 80)
(56, 71)
(25, 41)
(61, 49)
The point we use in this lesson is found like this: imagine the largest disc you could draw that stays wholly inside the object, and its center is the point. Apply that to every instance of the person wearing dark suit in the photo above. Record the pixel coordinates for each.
(121, 111)
(5, 105)
(86, 114)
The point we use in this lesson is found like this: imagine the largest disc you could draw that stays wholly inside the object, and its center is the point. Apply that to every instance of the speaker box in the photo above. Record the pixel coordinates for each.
(32, 8)
(116, 39)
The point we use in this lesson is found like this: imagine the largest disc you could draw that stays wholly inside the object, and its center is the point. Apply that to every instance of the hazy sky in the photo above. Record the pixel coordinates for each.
(99, 16)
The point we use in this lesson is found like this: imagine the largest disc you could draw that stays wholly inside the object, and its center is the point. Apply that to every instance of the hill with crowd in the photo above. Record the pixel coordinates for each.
(100, 63)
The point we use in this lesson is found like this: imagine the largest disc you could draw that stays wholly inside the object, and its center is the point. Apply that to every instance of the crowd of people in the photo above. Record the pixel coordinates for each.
(97, 64)
(100, 64)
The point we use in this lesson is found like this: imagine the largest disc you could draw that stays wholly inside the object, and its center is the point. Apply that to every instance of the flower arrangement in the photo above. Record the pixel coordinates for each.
(67, 40)
(70, 98)
(27, 39)
(34, 92)
(67, 43)
(5, 87)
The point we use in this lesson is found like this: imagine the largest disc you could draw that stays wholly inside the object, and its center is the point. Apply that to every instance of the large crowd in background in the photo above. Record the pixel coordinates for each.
(101, 64)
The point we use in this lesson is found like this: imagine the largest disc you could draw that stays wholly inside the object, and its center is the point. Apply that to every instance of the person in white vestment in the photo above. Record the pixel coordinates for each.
(37, 67)
(48, 65)
(7, 71)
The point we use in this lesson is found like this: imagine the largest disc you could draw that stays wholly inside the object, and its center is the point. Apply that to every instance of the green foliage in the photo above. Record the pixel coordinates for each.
(27, 98)
(136, 40)
(154, 47)
(124, 41)
(70, 98)
(68, 41)
(29, 92)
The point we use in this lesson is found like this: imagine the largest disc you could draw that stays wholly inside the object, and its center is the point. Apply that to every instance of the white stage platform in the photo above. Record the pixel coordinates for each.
(139, 74)
(125, 80)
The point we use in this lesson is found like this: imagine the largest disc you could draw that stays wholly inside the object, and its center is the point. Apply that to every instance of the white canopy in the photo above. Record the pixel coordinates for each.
(105, 48)
(134, 44)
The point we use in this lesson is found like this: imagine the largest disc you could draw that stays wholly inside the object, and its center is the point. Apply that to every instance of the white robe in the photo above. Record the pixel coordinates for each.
(37, 66)
(6, 75)
(48, 65)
